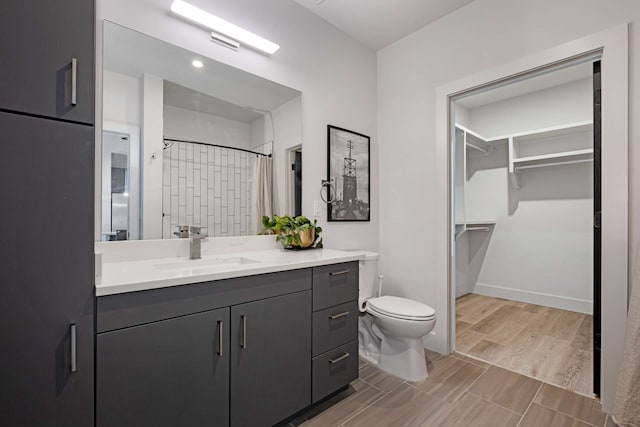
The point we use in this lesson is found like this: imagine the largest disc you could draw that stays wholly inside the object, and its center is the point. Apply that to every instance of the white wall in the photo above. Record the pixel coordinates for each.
(258, 137)
(151, 153)
(191, 125)
(541, 248)
(477, 37)
(336, 75)
(288, 127)
(122, 99)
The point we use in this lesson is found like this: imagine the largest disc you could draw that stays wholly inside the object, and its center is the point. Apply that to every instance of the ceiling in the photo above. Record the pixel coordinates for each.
(183, 97)
(378, 23)
(552, 78)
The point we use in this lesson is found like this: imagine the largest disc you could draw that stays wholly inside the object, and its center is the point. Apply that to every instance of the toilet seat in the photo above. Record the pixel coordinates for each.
(401, 308)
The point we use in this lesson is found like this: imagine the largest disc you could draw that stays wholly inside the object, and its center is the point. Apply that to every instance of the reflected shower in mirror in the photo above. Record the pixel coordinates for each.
(206, 144)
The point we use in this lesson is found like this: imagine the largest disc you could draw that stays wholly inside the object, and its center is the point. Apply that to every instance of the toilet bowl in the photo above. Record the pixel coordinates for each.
(391, 328)
(402, 323)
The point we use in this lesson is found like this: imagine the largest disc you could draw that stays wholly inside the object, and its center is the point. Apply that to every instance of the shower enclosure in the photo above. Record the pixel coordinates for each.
(211, 186)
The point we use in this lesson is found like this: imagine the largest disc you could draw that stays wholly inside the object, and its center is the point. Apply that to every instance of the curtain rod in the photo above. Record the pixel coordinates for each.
(216, 145)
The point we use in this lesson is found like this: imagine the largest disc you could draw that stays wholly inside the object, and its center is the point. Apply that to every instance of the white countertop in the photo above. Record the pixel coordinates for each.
(131, 276)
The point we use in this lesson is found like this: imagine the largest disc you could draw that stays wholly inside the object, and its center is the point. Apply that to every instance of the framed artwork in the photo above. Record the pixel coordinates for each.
(348, 171)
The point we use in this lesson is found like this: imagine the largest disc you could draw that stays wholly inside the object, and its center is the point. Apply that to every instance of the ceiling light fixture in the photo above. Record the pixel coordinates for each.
(197, 64)
(219, 25)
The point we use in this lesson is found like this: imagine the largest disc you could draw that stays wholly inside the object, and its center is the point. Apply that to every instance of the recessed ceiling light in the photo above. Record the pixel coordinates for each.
(221, 26)
(197, 64)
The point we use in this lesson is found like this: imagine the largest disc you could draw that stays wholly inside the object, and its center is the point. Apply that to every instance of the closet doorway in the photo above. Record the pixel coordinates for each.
(525, 188)
(294, 181)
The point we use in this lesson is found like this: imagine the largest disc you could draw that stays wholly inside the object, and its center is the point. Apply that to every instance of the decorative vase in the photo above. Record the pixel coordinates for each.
(306, 238)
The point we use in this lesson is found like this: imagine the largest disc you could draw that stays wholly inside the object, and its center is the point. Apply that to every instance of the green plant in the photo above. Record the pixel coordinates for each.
(287, 230)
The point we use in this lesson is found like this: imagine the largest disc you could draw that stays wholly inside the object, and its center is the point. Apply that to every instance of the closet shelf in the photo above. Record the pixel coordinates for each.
(517, 164)
(475, 141)
(554, 159)
(548, 132)
(474, 226)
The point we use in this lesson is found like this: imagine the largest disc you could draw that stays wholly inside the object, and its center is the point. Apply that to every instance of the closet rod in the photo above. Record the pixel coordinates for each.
(477, 228)
(569, 162)
(475, 147)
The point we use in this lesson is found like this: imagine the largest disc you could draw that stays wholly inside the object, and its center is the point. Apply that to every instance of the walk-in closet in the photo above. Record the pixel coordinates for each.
(523, 207)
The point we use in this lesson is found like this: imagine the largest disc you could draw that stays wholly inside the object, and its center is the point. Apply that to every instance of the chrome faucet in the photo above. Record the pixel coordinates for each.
(195, 237)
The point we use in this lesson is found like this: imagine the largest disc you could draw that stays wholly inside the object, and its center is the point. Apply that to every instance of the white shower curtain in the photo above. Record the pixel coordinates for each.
(262, 190)
(626, 411)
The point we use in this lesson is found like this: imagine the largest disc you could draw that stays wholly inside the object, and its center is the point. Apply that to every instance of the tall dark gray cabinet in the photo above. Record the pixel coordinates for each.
(46, 181)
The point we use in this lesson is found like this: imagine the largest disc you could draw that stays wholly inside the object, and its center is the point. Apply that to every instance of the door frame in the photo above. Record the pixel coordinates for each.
(290, 183)
(133, 132)
(612, 46)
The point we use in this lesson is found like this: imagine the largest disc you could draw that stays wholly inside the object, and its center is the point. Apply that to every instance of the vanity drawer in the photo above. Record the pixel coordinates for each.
(334, 369)
(334, 326)
(137, 308)
(334, 284)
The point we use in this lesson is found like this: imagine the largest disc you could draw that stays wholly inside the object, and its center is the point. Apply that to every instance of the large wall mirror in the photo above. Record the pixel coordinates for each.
(191, 141)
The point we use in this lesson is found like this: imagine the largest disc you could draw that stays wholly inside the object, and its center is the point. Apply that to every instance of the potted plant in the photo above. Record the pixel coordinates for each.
(294, 233)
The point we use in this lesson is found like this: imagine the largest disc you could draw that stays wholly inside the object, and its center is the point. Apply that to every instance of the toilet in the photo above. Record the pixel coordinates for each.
(391, 328)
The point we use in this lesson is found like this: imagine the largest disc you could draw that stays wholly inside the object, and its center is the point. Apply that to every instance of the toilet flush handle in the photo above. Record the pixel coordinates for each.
(380, 277)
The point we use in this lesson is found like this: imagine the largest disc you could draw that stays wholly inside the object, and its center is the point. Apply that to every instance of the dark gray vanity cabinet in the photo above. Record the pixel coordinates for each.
(47, 51)
(228, 352)
(174, 372)
(47, 272)
(270, 359)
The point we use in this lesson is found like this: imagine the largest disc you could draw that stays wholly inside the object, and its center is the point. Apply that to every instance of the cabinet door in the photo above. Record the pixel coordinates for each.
(169, 373)
(46, 272)
(270, 359)
(38, 41)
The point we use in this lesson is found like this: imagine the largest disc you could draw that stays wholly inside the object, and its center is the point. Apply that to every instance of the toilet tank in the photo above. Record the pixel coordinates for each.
(368, 274)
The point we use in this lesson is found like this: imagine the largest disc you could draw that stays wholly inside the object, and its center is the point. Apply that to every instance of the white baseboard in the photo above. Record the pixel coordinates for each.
(555, 301)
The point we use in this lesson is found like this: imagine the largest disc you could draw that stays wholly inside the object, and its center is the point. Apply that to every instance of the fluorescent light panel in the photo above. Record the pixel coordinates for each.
(219, 25)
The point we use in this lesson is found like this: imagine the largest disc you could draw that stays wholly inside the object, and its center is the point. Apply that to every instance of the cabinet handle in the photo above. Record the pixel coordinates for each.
(74, 81)
(74, 361)
(339, 315)
(338, 273)
(243, 342)
(220, 338)
(339, 359)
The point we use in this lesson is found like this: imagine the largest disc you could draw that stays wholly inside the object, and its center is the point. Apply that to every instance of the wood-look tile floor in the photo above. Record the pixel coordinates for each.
(460, 392)
(555, 346)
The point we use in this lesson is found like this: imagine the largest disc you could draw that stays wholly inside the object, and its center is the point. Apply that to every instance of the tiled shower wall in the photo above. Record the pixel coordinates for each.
(207, 186)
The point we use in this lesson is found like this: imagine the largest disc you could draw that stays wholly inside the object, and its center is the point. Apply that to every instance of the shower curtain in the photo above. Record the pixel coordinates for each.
(626, 411)
(263, 190)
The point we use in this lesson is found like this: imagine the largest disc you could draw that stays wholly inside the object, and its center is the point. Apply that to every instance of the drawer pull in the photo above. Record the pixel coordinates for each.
(74, 81)
(74, 348)
(339, 359)
(339, 315)
(243, 342)
(339, 273)
(220, 338)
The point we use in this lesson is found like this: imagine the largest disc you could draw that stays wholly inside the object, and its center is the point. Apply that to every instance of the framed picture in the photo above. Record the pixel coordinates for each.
(348, 170)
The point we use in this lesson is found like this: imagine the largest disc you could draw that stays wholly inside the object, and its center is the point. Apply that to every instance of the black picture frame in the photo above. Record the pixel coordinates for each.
(349, 172)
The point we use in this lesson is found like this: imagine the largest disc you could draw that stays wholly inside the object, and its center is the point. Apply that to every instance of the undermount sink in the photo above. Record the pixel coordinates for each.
(203, 265)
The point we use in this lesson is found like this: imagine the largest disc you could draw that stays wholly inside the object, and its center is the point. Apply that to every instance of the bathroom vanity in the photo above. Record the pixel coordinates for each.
(244, 340)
